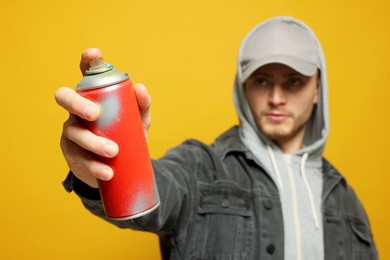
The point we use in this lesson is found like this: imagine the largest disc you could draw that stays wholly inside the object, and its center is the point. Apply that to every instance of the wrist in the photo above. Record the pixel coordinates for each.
(72, 183)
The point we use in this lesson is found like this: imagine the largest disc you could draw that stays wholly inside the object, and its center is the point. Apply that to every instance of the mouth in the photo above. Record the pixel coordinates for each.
(275, 116)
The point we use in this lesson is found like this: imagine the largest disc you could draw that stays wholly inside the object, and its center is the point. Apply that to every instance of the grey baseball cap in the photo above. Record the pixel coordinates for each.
(280, 41)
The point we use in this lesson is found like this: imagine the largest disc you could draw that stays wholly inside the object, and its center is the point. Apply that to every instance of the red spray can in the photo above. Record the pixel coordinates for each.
(132, 191)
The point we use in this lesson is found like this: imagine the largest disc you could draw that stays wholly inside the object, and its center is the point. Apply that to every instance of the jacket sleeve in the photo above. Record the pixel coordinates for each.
(175, 176)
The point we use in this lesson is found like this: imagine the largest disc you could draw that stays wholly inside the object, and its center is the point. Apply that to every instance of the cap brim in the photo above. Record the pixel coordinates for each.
(303, 67)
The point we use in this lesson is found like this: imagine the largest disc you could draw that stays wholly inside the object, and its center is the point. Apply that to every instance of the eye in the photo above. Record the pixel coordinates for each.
(294, 83)
(262, 82)
(259, 83)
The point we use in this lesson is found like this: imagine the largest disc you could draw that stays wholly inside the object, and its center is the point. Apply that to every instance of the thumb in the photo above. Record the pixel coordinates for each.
(88, 55)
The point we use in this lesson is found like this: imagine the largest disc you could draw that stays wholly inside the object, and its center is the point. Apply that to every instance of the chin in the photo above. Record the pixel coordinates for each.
(276, 133)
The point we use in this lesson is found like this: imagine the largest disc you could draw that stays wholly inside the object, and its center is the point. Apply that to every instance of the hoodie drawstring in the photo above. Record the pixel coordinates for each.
(312, 204)
(297, 226)
(306, 183)
(276, 169)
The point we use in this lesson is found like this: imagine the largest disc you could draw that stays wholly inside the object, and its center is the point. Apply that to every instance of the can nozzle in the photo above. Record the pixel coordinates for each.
(97, 66)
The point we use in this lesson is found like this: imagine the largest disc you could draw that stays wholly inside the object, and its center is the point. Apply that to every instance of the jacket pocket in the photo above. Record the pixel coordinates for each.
(224, 222)
(347, 236)
(362, 244)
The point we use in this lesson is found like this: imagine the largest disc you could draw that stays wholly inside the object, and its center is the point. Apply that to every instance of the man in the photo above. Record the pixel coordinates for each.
(262, 190)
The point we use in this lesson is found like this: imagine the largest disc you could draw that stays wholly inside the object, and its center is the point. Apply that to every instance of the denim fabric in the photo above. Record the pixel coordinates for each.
(217, 203)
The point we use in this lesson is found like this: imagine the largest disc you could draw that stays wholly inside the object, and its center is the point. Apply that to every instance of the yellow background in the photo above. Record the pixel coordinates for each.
(185, 52)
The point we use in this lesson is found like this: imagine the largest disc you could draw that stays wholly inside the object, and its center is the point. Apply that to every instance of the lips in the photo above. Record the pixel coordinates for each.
(276, 116)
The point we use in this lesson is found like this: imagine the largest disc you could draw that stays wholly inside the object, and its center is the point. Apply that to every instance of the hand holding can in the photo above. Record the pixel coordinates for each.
(132, 191)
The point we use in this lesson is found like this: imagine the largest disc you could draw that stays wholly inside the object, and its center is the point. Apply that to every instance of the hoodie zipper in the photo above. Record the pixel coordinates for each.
(287, 158)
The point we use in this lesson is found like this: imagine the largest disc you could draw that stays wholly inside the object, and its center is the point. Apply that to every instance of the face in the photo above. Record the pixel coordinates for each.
(281, 101)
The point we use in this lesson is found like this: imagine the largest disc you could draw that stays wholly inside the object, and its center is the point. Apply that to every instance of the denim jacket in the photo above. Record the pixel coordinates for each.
(218, 203)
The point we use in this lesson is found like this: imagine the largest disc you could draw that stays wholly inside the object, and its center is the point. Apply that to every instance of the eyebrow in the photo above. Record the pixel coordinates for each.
(261, 74)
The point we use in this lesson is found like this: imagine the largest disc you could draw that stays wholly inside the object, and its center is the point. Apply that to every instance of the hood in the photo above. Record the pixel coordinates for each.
(318, 125)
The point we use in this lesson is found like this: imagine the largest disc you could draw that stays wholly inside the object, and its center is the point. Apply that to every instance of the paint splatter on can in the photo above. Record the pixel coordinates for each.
(132, 191)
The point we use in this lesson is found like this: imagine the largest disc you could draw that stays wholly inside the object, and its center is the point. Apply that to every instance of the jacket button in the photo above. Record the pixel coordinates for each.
(268, 204)
(270, 249)
(225, 203)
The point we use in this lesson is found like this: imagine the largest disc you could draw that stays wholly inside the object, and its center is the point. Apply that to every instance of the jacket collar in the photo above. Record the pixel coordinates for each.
(229, 142)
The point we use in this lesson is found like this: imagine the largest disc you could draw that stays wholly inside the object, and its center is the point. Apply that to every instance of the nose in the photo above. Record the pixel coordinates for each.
(276, 96)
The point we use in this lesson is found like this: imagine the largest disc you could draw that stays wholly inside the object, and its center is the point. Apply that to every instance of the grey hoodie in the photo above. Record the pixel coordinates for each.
(298, 176)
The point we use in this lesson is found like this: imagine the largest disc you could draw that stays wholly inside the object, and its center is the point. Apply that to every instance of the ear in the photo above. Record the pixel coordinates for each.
(315, 100)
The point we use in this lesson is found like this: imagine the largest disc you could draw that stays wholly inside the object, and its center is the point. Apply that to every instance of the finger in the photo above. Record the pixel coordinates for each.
(76, 104)
(144, 102)
(83, 164)
(143, 98)
(87, 56)
(77, 133)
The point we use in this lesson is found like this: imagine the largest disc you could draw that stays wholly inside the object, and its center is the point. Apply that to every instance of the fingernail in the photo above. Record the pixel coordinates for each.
(90, 111)
(110, 149)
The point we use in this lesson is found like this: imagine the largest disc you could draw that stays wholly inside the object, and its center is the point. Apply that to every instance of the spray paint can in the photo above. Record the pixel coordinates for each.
(132, 191)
